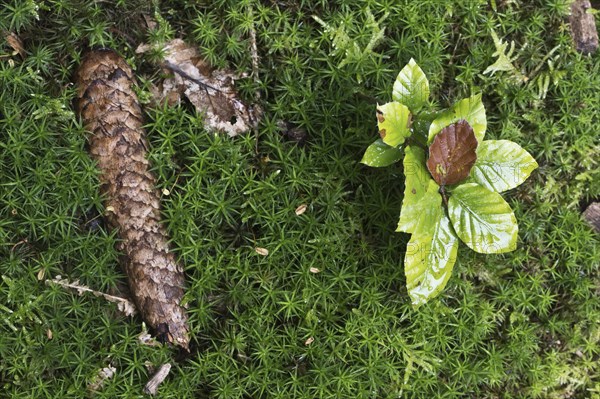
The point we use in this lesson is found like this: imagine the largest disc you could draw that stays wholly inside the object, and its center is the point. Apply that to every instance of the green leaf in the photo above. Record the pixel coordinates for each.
(393, 120)
(417, 179)
(470, 109)
(431, 251)
(482, 219)
(502, 165)
(411, 87)
(380, 154)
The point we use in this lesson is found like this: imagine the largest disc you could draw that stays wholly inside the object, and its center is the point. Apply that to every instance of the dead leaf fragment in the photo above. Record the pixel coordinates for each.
(49, 334)
(261, 251)
(150, 22)
(314, 270)
(103, 374)
(301, 209)
(211, 91)
(16, 44)
(309, 341)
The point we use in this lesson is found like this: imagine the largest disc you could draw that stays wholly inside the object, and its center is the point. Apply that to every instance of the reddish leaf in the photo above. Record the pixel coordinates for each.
(452, 153)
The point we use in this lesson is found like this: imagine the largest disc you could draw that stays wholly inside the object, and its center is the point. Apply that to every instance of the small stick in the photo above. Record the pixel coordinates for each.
(152, 385)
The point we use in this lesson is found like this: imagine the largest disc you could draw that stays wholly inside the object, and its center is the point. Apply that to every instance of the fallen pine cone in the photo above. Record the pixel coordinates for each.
(111, 112)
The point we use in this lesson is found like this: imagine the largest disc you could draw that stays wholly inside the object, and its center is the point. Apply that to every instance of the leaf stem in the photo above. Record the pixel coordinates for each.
(412, 140)
(444, 197)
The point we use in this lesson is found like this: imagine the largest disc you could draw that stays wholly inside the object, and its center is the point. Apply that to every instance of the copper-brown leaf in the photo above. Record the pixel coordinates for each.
(452, 153)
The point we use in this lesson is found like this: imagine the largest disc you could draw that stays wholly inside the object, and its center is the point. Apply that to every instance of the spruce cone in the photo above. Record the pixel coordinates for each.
(110, 111)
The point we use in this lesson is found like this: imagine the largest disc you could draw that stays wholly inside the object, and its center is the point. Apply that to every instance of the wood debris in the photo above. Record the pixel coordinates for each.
(152, 385)
(211, 91)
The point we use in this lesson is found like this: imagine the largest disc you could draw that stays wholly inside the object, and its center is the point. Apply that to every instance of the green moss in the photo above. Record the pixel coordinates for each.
(522, 324)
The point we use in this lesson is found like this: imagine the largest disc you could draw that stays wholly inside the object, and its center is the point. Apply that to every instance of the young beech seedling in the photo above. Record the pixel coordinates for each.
(452, 180)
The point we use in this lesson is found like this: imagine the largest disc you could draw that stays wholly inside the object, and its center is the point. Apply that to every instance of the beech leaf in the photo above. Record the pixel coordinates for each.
(470, 109)
(452, 153)
(502, 165)
(415, 186)
(482, 219)
(393, 120)
(379, 154)
(411, 87)
(431, 251)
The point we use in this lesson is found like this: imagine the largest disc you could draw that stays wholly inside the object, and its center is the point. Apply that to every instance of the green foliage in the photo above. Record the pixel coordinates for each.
(504, 61)
(432, 249)
(380, 154)
(411, 87)
(475, 212)
(523, 324)
(393, 121)
(469, 109)
(482, 219)
(502, 165)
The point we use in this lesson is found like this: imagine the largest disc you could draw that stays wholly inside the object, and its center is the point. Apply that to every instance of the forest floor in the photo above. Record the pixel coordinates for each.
(325, 313)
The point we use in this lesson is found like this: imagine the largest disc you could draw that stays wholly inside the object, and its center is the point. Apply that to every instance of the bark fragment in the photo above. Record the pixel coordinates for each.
(111, 112)
(583, 27)
(592, 215)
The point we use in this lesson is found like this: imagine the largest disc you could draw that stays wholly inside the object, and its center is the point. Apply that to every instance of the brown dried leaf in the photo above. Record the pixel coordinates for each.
(452, 153)
(314, 270)
(309, 341)
(16, 44)
(211, 90)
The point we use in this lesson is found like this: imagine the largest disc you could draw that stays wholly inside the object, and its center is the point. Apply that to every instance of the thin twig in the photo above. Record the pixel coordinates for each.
(123, 304)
